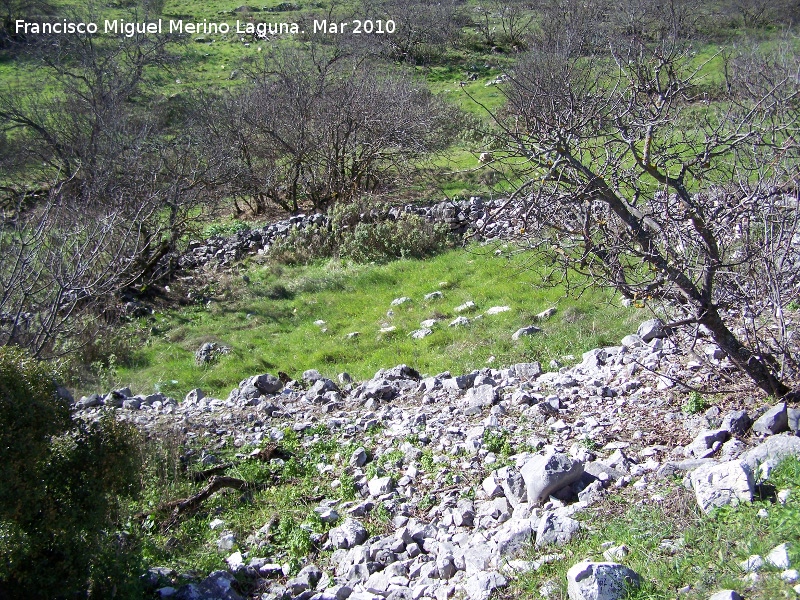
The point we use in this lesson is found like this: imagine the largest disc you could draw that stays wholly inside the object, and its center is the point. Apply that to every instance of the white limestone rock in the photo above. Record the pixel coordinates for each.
(723, 484)
(548, 473)
(600, 581)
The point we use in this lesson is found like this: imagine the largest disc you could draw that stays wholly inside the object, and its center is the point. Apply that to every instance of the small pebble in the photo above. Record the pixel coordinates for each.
(790, 575)
(752, 564)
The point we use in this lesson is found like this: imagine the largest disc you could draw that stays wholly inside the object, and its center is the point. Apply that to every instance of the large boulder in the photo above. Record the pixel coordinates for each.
(726, 595)
(548, 473)
(89, 401)
(513, 486)
(556, 530)
(513, 537)
(210, 352)
(348, 534)
(526, 370)
(737, 422)
(481, 585)
(707, 443)
(400, 372)
(775, 420)
(525, 332)
(219, 585)
(258, 385)
(770, 452)
(719, 485)
(650, 330)
(320, 387)
(478, 398)
(306, 579)
(794, 419)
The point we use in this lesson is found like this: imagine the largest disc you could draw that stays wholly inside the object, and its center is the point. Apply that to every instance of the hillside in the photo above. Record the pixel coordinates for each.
(409, 485)
(399, 300)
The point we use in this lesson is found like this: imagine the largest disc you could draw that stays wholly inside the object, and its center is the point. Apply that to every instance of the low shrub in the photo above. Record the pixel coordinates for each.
(64, 487)
(364, 233)
(225, 229)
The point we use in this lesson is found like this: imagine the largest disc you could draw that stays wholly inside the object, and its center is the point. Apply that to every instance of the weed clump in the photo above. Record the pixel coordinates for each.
(695, 404)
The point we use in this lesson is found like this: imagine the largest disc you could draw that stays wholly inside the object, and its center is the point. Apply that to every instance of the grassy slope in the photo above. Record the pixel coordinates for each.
(709, 550)
(712, 548)
(268, 334)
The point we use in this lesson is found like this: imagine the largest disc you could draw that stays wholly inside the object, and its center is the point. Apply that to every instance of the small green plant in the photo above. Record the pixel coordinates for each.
(497, 442)
(376, 428)
(392, 459)
(225, 229)
(294, 539)
(290, 441)
(347, 487)
(382, 514)
(695, 404)
(413, 439)
(104, 371)
(375, 470)
(318, 429)
(363, 232)
(253, 471)
(590, 444)
(167, 387)
(426, 461)
(426, 503)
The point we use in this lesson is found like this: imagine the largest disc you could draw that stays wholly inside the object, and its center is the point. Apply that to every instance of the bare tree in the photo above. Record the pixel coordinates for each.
(571, 26)
(653, 20)
(754, 13)
(98, 194)
(11, 10)
(485, 25)
(633, 178)
(504, 22)
(516, 21)
(323, 129)
(424, 30)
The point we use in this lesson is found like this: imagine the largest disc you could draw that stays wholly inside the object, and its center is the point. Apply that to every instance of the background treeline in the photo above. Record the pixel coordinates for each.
(105, 171)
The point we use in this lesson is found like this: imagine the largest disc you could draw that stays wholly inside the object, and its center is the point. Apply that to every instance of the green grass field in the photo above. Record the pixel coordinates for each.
(269, 323)
(711, 547)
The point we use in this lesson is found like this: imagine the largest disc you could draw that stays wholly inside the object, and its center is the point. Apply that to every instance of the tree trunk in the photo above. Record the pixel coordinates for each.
(741, 356)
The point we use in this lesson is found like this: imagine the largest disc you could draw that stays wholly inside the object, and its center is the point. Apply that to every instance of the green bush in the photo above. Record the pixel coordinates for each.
(695, 403)
(363, 232)
(63, 484)
(225, 229)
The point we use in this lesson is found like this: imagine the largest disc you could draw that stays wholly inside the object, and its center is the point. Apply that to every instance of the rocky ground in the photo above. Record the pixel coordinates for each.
(516, 453)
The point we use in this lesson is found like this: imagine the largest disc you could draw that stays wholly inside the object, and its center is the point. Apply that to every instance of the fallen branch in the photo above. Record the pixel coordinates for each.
(269, 452)
(185, 505)
(208, 473)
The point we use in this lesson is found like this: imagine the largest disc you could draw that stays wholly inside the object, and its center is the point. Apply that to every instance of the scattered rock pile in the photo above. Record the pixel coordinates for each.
(460, 519)
(481, 219)
(210, 352)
